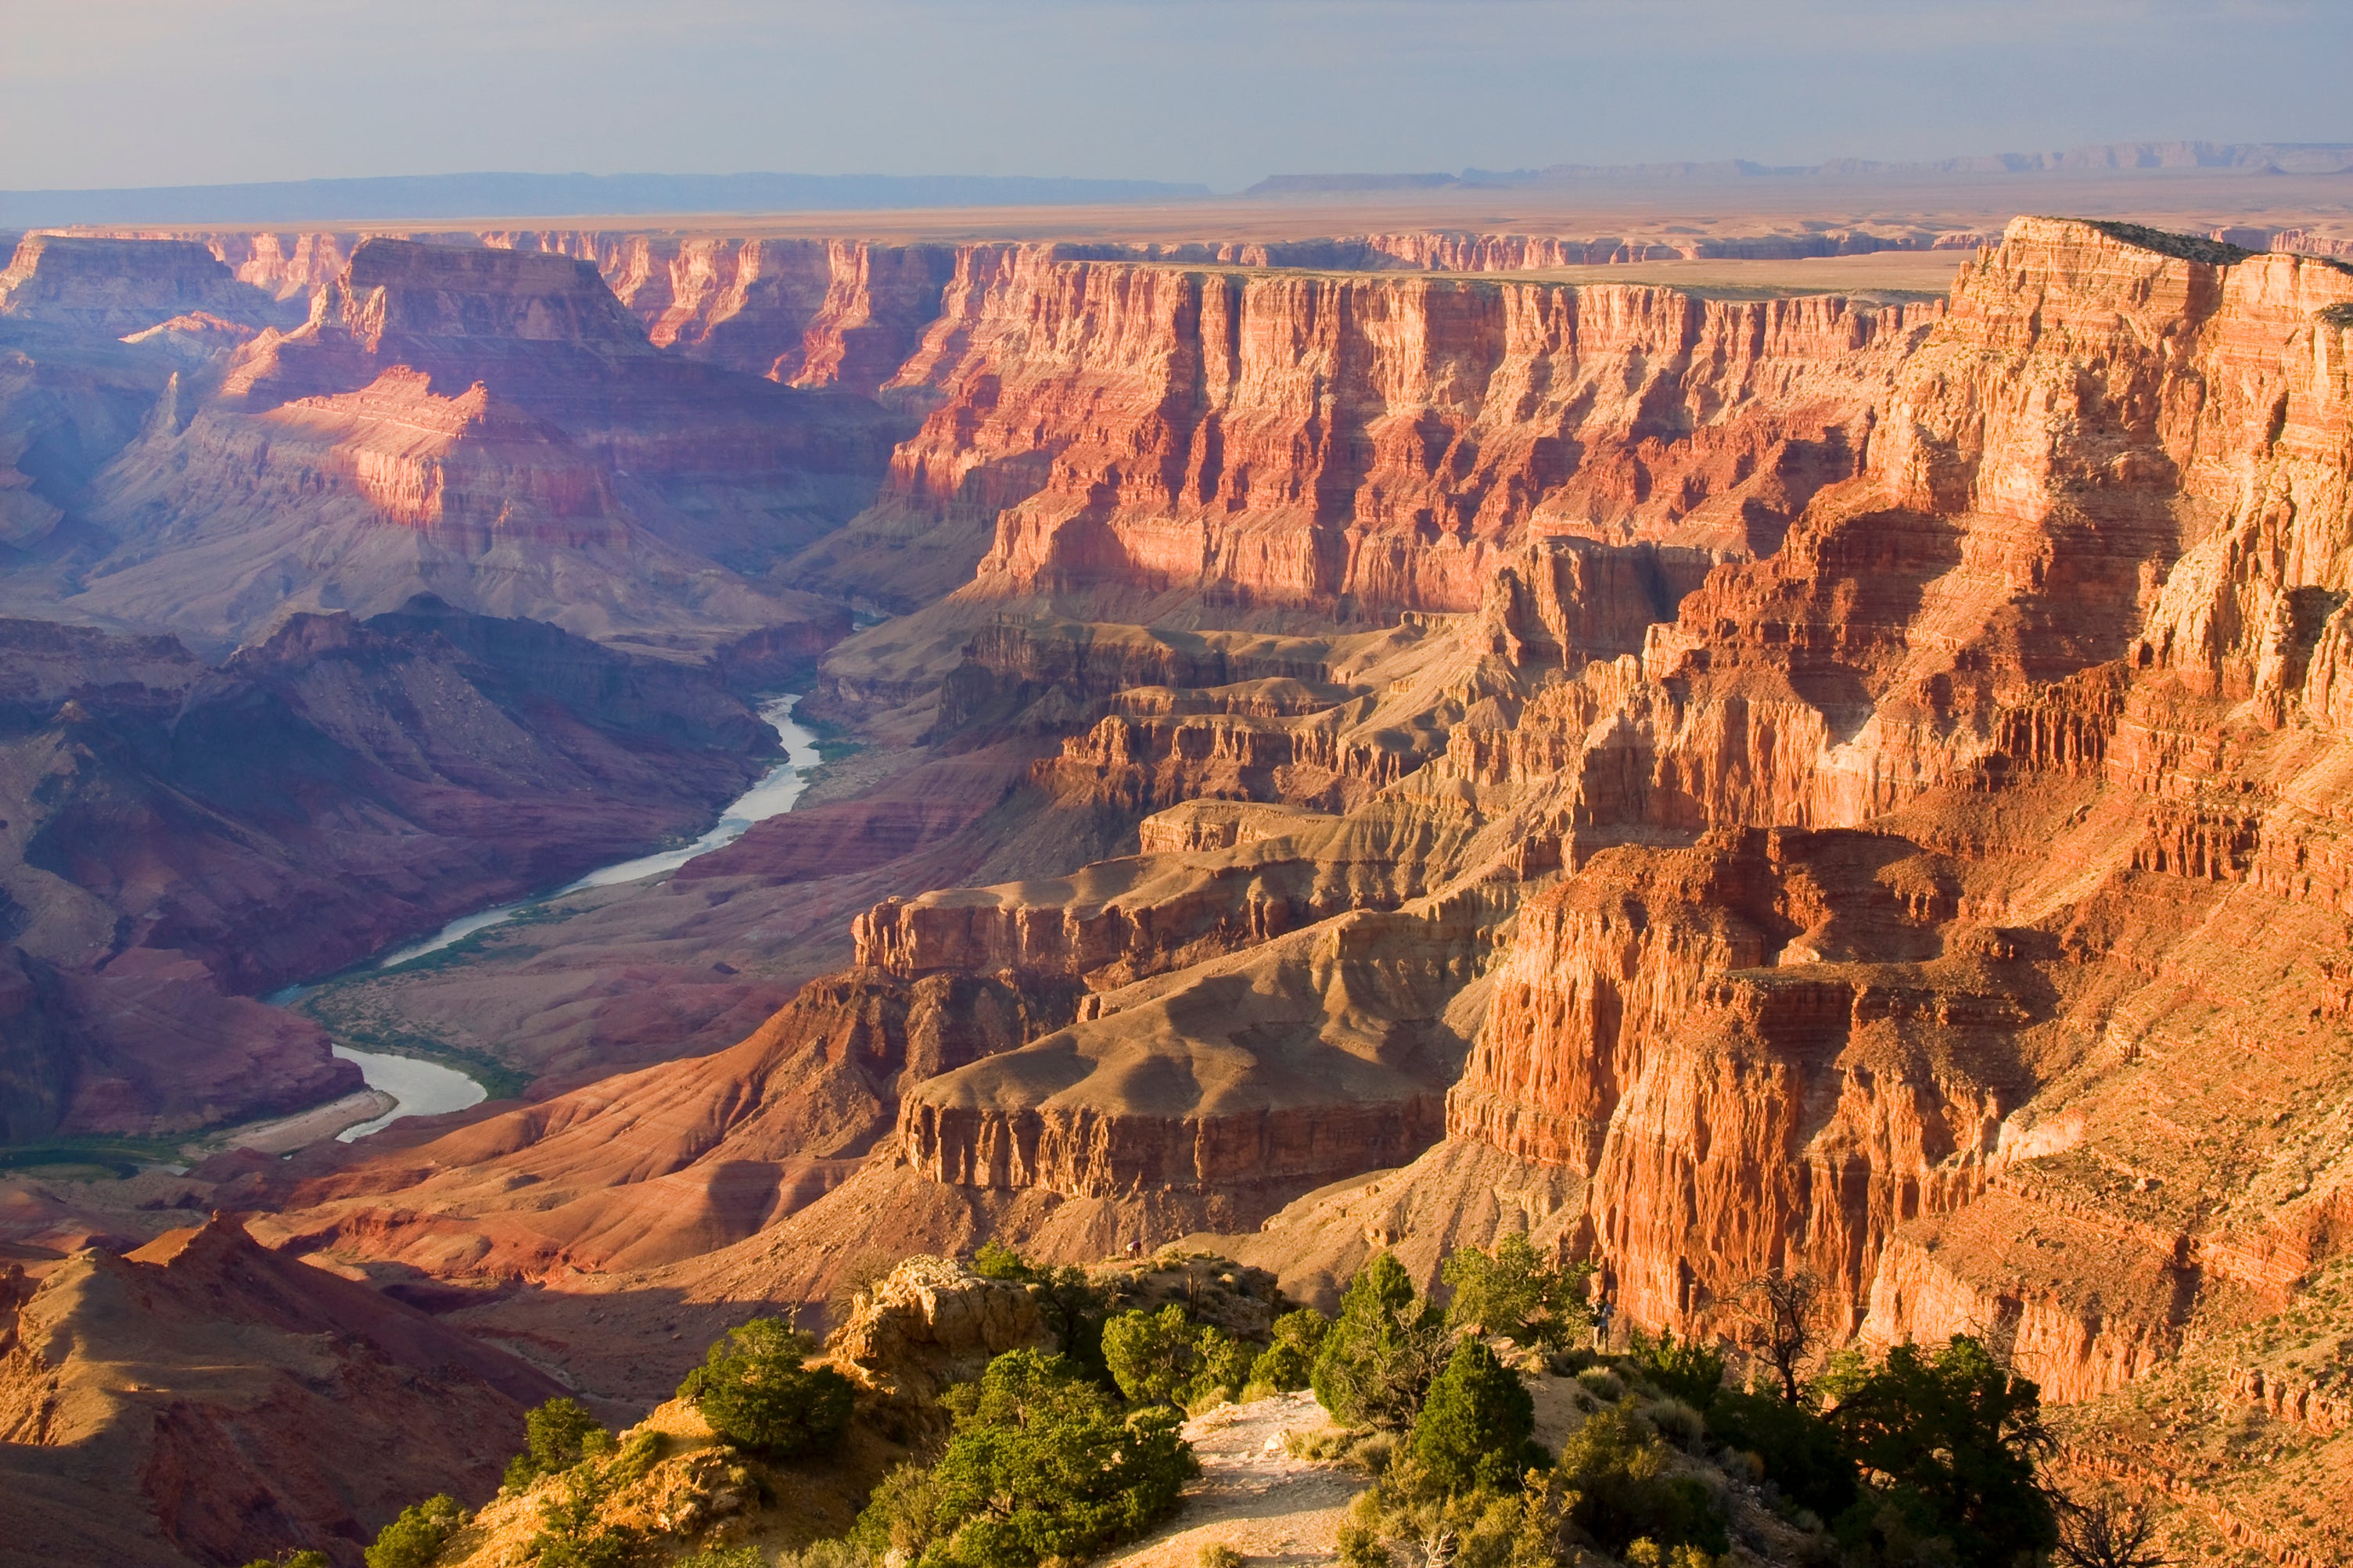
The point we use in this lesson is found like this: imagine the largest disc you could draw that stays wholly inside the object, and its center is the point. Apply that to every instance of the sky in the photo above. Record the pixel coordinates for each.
(160, 93)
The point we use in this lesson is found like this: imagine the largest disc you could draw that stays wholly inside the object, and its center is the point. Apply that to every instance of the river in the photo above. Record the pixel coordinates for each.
(421, 1087)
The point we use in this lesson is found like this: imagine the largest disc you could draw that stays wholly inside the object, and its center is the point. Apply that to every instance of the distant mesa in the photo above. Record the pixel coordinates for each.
(2245, 157)
(427, 198)
(123, 286)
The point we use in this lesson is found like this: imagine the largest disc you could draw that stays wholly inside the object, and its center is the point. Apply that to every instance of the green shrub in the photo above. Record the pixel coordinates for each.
(1217, 1555)
(1602, 1384)
(1651, 1554)
(1513, 1292)
(1690, 1370)
(574, 1532)
(1619, 1473)
(557, 1436)
(1802, 1453)
(1289, 1358)
(1153, 1356)
(900, 1519)
(1676, 1422)
(1378, 1361)
(755, 1391)
(995, 1261)
(308, 1557)
(824, 1554)
(728, 1557)
(1474, 1427)
(1324, 1443)
(1042, 1465)
(1947, 1440)
(1435, 1523)
(1224, 1363)
(415, 1538)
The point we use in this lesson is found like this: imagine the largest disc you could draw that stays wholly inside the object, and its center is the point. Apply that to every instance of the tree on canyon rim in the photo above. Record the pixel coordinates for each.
(1044, 1464)
(2106, 1533)
(415, 1540)
(1949, 1439)
(1781, 1324)
(758, 1390)
(1153, 1356)
(1289, 1359)
(1475, 1427)
(1511, 1290)
(1165, 1358)
(556, 1435)
(1380, 1355)
(1074, 1308)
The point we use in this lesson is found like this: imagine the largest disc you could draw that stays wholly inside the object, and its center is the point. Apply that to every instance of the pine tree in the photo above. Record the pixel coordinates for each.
(1473, 1430)
(1378, 1361)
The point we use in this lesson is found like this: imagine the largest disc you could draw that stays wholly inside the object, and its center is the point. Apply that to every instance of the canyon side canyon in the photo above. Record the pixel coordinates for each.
(1372, 741)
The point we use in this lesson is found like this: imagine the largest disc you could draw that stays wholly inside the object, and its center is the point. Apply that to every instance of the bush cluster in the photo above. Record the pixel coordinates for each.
(758, 1390)
(1379, 1358)
(557, 1436)
(1071, 1306)
(1926, 1458)
(1164, 1358)
(1044, 1464)
(1511, 1290)
(415, 1540)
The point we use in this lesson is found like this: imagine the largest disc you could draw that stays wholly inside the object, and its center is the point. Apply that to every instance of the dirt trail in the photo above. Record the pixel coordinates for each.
(1253, 1497)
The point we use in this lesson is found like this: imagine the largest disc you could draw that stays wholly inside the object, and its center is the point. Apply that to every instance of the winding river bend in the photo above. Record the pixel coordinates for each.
(421, 1087)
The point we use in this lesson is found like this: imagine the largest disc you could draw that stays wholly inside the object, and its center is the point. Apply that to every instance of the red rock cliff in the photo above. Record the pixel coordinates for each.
(1328, 441)
(2068, 649)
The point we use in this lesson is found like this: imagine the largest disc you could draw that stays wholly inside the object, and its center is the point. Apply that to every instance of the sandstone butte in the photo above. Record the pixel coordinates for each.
(1717, 786)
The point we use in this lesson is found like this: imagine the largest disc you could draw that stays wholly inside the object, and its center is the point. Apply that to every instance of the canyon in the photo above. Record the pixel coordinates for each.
(1342, 744)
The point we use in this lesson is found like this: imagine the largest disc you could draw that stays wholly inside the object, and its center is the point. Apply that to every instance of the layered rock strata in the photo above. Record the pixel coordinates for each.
(2097, 523)
(1377, 443)
(119, 287)
(1925, 874)
(651, 1167)
(489, 426)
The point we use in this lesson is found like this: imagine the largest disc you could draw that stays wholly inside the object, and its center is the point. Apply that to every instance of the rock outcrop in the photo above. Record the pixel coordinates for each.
(1247, 1079)
(930, 1322)
(201, 1399)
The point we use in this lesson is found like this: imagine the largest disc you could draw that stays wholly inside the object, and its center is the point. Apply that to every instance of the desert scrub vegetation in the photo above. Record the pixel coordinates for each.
(1926, 1458)
(758, 1390)
(1044, 1464)
(557, 1436)
(1164, 1358)
(416, 1538)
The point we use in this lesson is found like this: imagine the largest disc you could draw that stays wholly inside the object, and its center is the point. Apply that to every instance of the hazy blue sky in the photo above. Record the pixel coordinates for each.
(130, 92)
